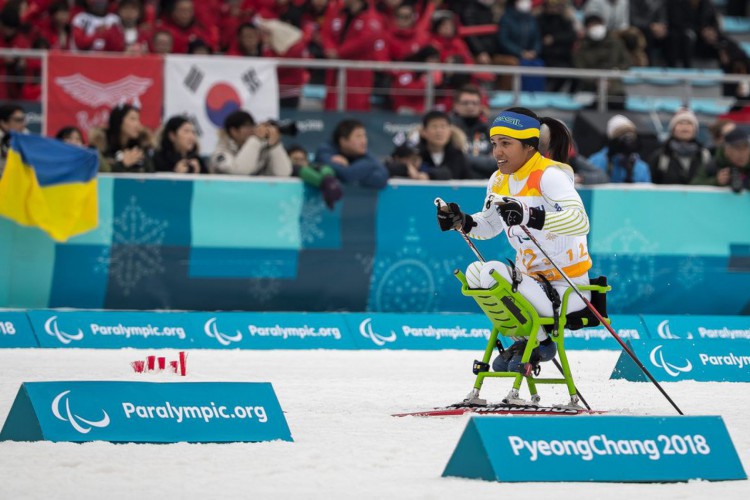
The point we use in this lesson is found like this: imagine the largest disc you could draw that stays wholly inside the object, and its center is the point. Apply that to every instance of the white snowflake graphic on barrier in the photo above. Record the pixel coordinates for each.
(631, 266)
(263, 290)
(288, 210)
(310, 216)
(690, 271)
(136, 247)
(409, 281)
(311, 220)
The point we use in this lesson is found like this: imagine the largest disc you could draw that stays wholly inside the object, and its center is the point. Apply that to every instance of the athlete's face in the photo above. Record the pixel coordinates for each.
(510, 154)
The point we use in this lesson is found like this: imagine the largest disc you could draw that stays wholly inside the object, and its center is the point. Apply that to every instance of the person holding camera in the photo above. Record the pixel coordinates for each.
(127, 147)
(731, 164)
(245, 148)
(178, 148)
(619, 158)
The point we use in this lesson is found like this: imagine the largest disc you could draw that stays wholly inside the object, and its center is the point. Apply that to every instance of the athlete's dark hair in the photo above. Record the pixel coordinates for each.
(559, 135)
(344, 129)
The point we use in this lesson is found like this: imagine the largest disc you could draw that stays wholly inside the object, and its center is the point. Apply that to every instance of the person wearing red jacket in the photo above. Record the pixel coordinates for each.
(291, 80)
(314, 15)
(408, 87)
(181, 22)
(446, 39)
(274, 38)
(354, 33)
(231, 16)
(127, 35)
(406, 37)
(90, 27)
(12, 67)
(55, 28)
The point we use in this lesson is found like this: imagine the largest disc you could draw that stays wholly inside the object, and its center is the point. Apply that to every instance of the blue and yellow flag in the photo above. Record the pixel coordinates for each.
(50, 185)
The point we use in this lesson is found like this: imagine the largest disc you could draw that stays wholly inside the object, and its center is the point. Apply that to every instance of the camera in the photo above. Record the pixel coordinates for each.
(626, 144)
(286, 127)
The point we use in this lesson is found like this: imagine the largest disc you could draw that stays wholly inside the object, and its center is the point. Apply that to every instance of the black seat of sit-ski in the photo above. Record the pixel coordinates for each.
(575, 320)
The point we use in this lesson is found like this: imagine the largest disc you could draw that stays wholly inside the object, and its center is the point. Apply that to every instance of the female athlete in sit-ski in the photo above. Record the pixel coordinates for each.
(537, 192)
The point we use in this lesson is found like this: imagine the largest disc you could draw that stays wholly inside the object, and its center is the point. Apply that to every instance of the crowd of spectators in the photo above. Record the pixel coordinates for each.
(590, 34)
(452, 141)
(439, 149)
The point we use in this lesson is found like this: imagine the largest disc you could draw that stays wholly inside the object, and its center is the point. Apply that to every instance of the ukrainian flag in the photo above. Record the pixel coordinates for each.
(50, 185)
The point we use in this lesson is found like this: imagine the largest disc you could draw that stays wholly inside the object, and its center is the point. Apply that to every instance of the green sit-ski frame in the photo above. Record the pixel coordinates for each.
(512, 315)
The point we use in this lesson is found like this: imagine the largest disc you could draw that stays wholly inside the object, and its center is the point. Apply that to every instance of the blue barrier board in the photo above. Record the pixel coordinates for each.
(673, 360)
(273, 331)
(698, 327)
(419, 331)
(113, 330)
(598, 337)
(145, 412)
(15, 330)
(595, 448)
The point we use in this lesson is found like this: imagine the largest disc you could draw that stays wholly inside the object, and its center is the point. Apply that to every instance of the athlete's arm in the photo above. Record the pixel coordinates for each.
(558, 190)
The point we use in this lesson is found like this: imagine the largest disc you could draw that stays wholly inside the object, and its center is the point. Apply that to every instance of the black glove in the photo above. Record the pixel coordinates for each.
(450, 217)
(515, 212)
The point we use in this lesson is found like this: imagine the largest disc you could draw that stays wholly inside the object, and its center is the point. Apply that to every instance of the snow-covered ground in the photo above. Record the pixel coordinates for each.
(346, 444)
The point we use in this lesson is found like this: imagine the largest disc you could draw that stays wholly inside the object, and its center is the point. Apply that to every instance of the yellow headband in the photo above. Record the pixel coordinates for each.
(514, 133)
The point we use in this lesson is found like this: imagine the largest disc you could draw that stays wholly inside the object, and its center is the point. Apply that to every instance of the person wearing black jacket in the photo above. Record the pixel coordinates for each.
(558, 36)
(468, 115)
(473, 13)
(128, 145)
(178, 148)
(441, 159)
(681, 157)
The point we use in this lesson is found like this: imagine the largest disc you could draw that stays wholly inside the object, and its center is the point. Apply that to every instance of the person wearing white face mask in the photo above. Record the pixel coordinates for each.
(597, 32)
(523, 5)
(601, 50)
(519, 40)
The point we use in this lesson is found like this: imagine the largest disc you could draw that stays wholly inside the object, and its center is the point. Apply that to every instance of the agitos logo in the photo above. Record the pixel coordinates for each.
(50, 326)
(657, 359)
(365, 329)
(62, 411)
(212, 330)
(664, 332)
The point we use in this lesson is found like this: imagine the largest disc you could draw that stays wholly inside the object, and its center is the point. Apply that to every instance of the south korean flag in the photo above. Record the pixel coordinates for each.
(209, 88)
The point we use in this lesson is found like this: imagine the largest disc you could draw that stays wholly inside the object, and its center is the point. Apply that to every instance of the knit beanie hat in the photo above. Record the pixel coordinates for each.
(683, 115)
(619, 125)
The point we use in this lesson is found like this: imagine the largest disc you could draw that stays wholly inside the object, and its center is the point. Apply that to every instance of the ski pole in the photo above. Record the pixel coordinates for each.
(440, 203)
(601, 320)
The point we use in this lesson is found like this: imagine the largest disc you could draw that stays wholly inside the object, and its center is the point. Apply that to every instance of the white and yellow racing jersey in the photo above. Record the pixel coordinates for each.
(548, 185)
